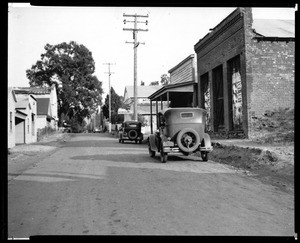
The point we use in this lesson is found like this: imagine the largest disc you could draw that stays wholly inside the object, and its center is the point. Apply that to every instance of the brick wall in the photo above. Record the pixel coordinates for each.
(269, 73)
(272, 76)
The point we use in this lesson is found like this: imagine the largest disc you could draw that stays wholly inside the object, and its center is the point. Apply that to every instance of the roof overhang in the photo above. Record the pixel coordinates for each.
(186, 87)
(270, 38)
(20, 114)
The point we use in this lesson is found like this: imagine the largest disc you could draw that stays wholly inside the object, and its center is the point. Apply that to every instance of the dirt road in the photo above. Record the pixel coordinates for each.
(92, 185)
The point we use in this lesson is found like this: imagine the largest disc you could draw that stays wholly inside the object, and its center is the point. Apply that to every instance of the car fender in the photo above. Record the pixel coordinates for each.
(207, 143)
(152, 144)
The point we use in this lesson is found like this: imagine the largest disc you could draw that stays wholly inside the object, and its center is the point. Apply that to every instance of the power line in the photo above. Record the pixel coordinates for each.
(135, 43)
(109, 93)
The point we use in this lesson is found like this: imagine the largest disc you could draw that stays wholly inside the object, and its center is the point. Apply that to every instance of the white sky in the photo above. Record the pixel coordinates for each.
(171, 36)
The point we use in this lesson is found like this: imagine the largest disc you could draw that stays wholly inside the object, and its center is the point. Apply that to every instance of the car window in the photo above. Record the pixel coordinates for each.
(186, 114)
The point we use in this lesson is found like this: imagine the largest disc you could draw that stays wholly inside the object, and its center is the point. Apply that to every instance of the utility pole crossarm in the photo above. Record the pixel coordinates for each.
(135, 15)
(135, 29)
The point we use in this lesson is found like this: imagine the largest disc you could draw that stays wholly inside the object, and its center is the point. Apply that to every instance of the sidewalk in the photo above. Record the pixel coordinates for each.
(42, 146)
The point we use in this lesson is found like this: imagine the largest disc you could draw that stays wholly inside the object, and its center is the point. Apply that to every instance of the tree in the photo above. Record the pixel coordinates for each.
(116, 103)
(154, 83)
(164, 79)
(70, 67)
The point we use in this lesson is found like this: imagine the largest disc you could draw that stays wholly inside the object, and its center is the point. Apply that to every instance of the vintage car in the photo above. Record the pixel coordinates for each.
(180, 130)
(131, 130)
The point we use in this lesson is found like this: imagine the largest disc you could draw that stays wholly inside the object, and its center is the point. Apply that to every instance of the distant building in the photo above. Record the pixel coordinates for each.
(143, 105)
(41, 93)
(44, 114)
(11, 116)
(25, 119)
(245, 67)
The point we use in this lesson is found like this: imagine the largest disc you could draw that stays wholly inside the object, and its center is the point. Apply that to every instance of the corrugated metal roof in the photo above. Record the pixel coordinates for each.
(274, 27)
(143, 91)
(33, 90)
(43, 106)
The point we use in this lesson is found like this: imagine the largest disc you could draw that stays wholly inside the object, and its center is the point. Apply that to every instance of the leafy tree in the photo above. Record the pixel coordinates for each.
(154, 83)
(70, 67)
(116, 103)
(164, 79)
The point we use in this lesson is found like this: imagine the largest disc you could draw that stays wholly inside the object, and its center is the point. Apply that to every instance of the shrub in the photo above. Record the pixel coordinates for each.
(275, 126)
(44, 132)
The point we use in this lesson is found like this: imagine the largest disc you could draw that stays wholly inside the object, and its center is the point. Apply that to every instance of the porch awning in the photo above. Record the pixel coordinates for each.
(124, 112)
(172, 90)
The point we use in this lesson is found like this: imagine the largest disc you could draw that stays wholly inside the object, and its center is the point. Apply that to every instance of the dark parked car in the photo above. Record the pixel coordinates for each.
(67, 128)
(180, 130)
(131, 130)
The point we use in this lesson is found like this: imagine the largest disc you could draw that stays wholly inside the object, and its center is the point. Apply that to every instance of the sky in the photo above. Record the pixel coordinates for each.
(171, 36)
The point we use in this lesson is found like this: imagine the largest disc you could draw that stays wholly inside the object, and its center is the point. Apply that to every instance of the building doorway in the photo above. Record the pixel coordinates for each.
(218, 99)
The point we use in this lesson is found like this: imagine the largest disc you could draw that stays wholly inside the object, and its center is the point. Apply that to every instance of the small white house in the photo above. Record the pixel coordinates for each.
(12, 101)
(143, 104)
(44, 92)
(25, 126)
(44, 115)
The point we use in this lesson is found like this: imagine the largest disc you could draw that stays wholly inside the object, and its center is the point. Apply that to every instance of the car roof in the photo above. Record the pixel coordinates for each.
(181, 109)
(132, 122)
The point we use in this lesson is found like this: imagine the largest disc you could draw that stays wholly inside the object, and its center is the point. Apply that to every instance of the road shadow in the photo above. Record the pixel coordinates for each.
(101, 143)
(134, 158)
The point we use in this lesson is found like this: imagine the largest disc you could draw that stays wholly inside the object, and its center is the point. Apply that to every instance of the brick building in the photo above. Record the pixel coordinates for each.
(245, 67)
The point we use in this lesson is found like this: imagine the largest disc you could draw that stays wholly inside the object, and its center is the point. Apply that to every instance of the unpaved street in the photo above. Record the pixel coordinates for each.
(95, 186)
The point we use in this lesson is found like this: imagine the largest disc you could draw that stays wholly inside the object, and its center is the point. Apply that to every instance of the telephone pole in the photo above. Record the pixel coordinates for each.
(109, 93)
(135, 43)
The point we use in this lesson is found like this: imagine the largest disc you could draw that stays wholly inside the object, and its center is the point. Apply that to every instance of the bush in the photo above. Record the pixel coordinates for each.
(77, 127)
(44, 132)
(275, 126)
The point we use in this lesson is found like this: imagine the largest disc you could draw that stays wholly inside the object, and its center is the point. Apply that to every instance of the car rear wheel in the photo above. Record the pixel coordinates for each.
(188, 140)
(204, 155)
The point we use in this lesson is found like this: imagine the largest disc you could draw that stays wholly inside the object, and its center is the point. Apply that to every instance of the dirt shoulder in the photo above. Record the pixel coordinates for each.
(25, 156)
(272, 164)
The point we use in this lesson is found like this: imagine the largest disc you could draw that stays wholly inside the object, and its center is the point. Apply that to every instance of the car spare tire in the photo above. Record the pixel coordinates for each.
(132, 134)
(188, 140)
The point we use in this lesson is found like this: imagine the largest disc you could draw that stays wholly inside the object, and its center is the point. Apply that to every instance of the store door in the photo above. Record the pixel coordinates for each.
(218, 98)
